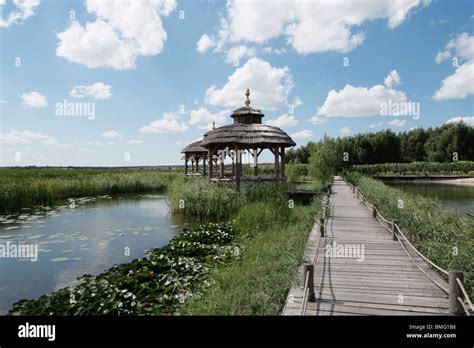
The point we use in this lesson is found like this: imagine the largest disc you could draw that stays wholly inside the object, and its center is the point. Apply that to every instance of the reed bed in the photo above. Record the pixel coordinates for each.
(416, 168)
(28, 188)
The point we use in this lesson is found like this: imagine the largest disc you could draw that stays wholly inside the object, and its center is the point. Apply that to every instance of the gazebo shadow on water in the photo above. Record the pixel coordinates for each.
(247, 135)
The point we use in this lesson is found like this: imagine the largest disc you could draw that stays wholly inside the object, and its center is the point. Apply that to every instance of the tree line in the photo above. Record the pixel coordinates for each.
(439, 144)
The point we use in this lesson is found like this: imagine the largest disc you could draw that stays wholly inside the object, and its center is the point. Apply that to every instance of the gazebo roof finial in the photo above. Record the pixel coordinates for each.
(247, 94)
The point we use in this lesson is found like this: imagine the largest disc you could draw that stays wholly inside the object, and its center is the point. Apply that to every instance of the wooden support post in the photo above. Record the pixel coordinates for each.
(283, 162)
(204, 166)
(454, 292)
(308, 271)
(238, 168)
(394, 230)
(255, 162)
(192, 166)
(185, 164)
(211, 162)
(374, 211)
(221, 172)
(197, 164)
(277, 164)
(321, 227)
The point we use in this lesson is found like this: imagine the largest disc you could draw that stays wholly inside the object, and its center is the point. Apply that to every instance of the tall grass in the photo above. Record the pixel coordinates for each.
(216, 201)
(272, 237)
(444, 236)
(27, 188)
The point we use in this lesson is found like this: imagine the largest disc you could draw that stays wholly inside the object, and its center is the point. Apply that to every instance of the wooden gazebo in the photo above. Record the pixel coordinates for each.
(194, 152)
(246, 135)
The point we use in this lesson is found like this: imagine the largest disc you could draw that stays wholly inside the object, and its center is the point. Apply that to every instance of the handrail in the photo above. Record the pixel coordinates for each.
(394, 225)
(464, 293)
(305, 293)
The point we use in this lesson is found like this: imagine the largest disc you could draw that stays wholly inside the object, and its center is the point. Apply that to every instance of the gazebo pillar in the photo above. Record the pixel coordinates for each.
(238, 167)
(211, 162)
(221, 172)
(277, 163)
(197, 164)
(192, 166)
(255, 162)
(283, 162)
(204, 165)
(185, 164)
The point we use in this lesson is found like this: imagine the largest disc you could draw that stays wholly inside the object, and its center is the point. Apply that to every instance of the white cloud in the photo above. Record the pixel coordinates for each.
(22, 11)
(135, 142)
(310, 26)
(392, 79)
(205, 43)
(301, 135)
(283, 121)
(318, 119)
(469, 120)
(345, 130)
(270, 49)
(269, 86)
(169, 123)
(26, 136)
(111, 134)
(34, 100)
(236, 53)
(376, 125)
(122, 31)
(361, 101)
(97, 90)
(461, 83)
(203, 118)
(396, 122)
(458, 85)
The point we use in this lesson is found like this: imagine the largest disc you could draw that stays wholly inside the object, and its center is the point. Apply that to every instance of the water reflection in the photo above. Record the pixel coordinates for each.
(88, 238)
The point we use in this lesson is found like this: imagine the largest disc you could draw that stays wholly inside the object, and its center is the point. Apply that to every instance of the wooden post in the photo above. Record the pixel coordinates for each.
(238, 168)
(204, 165)
(192, 166)
(277, 164)
(454, 292)
(185, 164)
(221, 172)
(321, 227)
(209, 158)
(374, 211)
(255, 162)
(308, 271)
(394, 230)
(283, 162)
(197, 164)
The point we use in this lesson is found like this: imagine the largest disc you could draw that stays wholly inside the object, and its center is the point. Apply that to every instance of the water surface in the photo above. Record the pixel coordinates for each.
(83, 239)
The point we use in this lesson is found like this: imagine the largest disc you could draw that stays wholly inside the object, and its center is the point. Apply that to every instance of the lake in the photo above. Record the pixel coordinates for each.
(86, 237)
(459, 198)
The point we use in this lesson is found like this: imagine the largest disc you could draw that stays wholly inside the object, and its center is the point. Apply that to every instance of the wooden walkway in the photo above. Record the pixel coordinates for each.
(380, 280)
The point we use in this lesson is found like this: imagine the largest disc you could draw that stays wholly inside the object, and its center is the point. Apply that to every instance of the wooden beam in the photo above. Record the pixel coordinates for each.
(185, 164)
(255, 161)
(238, 169)
(209, 157)
(283, 163)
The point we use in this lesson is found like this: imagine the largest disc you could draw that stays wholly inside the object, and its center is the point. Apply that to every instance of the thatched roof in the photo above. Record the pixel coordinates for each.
(250, 135)
(246, 110)
(194, 148)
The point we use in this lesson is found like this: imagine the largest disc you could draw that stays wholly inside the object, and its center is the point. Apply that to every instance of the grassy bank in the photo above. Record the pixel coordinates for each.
(416, 169)
(273, 239)
(444, 236)
(27, 188)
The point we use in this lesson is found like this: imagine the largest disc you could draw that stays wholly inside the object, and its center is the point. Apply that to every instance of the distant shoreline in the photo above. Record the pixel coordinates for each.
(445, 180)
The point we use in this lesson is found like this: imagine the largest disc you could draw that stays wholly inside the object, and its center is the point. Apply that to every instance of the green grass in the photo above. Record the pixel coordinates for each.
(272, 238)
(436, 232)
(27, 188)
(416, 169)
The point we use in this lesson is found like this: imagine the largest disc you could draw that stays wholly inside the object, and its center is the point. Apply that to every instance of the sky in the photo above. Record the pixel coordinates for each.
(131, 82)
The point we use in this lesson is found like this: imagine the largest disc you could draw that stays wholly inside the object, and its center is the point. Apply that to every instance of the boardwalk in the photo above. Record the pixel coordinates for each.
(382, 280)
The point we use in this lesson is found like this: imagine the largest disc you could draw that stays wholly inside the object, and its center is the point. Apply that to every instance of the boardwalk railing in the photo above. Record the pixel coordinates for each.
(457, 294)
(308, 268)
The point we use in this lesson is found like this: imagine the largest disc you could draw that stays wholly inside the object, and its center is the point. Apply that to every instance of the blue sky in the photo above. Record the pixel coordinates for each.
(156, 74)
